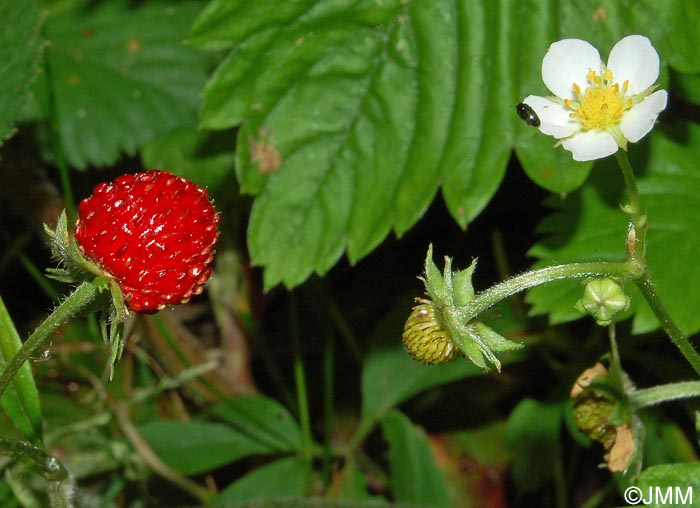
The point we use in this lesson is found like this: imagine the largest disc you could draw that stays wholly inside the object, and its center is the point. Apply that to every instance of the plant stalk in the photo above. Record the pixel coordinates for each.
(78, 300)
(665, 393)
(638, 231)
(300, 378)
(623, 271)
(637, 251)
(60, 486)
(646, 286)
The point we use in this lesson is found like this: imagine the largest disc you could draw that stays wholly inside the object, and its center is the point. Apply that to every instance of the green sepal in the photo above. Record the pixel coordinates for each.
(462, 288)
(450, 292)
(116, 342)
(494, 340)
(434, 281)
(75, 268)
(472, 350)
(60, 274)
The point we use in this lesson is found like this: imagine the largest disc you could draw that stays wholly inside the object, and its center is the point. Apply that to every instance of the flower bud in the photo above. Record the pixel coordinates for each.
(603, 299)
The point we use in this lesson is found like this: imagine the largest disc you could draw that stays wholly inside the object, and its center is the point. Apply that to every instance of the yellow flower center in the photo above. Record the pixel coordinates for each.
(602, 104)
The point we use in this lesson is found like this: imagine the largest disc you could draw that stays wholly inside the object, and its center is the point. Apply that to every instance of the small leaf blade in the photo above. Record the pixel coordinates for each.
(20, 50)
(195, 447)
(284, 478)
(415, 476)
(21, 400)
(263, 420)
(120, 76)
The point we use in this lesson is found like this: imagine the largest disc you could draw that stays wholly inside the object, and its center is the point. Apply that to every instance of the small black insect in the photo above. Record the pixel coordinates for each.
(528, 114)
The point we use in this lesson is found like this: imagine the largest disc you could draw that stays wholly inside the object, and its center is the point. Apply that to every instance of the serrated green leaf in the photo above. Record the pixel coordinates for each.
(21, 400)
(20, 52)
(589, 226)
(284, 478)
(415, 477)
(120, 75)
(196, 447)
(262, 419)
(350, 116)
(353, 114)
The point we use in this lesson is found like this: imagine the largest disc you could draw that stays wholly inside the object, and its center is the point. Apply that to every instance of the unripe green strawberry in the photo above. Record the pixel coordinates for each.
(426, 339)
(153, 233)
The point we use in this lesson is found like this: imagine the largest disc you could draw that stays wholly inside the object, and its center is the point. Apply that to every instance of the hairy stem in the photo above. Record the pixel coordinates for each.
(637, 241)
(646, 286)
(637, 251)
(83, 295)
(486, 299)
(664, 393)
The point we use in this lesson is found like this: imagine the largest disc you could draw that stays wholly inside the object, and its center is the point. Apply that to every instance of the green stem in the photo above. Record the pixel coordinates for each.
(637, 246)
(328, 377)
(486, 299)
(300, 378)
(83, 295)
(630, 181)
(676, 335)
(152, 460)
(559, 481)
(60, 486)
(637, 252)
(664, 393)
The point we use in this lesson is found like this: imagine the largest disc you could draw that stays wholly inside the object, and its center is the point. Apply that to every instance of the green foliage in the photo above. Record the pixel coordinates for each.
(263, 420)
(284, 478)
(119, 76)
(196, 447)
(533, 435)
(20, 50)
(674, 478)
(338, 154)
(342, 121)
(204, 157)
(21, 400)
(416, 477)
(355, 116)
(590, 223)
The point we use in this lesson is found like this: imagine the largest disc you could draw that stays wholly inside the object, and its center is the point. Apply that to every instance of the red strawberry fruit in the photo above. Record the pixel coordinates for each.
(152, 233)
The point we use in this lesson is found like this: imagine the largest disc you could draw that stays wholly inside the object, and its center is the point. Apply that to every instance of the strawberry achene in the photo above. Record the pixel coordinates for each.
(153, 233)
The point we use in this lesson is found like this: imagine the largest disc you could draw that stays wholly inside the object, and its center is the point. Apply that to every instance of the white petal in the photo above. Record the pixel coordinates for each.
(567, 62)
(554, 118)
(591, 145)
(634, 59)
(639, 120)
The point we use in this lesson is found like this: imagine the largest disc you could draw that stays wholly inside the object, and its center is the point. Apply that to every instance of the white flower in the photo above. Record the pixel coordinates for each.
(599, 108)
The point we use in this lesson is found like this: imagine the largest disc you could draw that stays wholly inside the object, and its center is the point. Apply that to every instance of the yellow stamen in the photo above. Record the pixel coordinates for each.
(602, 105)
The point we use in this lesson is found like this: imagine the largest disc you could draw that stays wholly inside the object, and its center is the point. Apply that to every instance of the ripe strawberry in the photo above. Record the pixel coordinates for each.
(153, 233)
